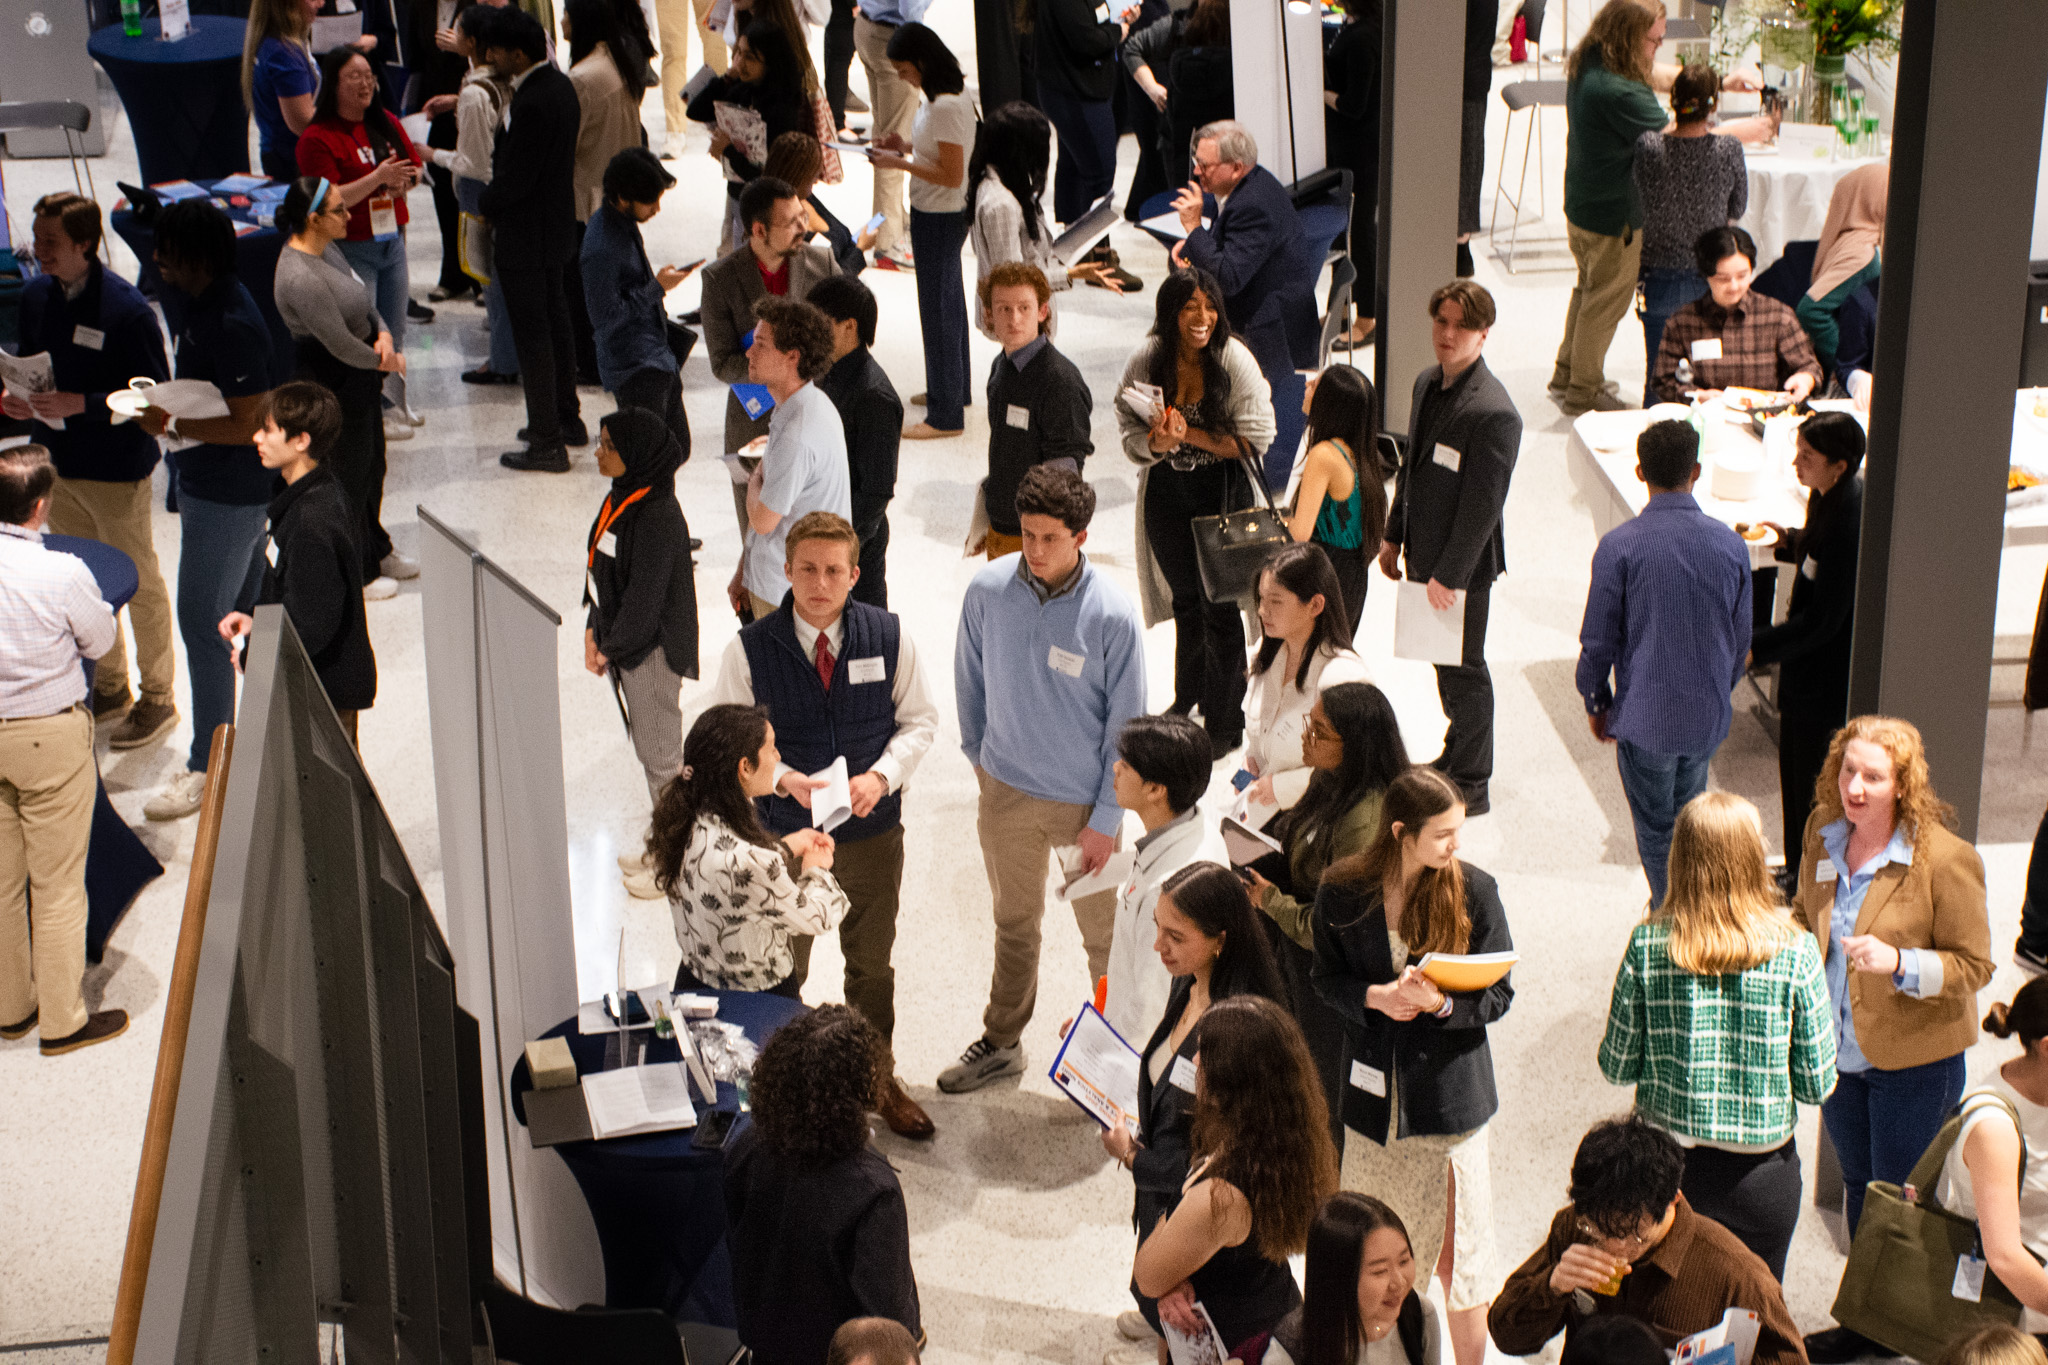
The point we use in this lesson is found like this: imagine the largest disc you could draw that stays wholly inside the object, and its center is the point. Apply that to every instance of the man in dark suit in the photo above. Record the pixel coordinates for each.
(1254, 248)
(530, 203)
(873, 415)
(1463, 436)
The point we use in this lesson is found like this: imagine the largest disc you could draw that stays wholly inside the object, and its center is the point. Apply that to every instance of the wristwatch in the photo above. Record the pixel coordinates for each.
(171, 427)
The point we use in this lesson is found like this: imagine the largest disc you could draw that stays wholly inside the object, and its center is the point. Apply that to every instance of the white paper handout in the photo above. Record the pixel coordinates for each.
(31, 374)
(1144, 400)
(638, 1099)
(1206, 1349)
(1108, 877)
(174, 19)
(1422, 632)
(832, 804)
(1246, 845)
(189, 399)
(1737, 1329)
(1250, 811)
(1098, 1070)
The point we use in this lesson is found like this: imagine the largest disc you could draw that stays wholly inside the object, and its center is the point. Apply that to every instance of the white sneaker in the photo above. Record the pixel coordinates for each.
(396, 428)
(640, 886)
(179, 798)
(981, 1063)
(1131, 1326)
(380, 589)
(672, 147)
(635, 861)
(411, 414)
(396, 565)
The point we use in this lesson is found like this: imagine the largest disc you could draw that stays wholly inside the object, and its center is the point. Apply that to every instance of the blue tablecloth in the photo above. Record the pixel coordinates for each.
(658, 1202)
(117, 864)
(255, 266)
(184, 99)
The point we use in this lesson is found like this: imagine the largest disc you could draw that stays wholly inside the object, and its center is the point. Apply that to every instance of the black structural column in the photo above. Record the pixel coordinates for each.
(1421, 92)
(1967, 137)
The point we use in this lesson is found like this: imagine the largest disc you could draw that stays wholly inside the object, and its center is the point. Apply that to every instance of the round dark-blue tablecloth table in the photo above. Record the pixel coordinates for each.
(658, 1202)
(184, 99)
(255, 266)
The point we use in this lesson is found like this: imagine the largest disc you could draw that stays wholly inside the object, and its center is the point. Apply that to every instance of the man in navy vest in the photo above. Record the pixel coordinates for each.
(840, 679)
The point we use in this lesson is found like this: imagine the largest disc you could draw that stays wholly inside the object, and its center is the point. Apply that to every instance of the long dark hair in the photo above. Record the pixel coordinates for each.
(709, 784)
(1434, 918)
(1305, 571)
(377, 120)
(1331, 1333)
(815, 1080)
(1344, 409)
(1016, 143)
(1214, 900)
(595, 21)
(1373, 757)
(938, 70)
(1208, 23)
(780, 69)
(1164, 369)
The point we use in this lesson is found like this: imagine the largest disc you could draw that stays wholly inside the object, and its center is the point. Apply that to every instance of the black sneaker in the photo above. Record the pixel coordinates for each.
(1839, 1345)
(417, 311)
(536, 460)
(99, 1028)
(2033, 964)
(981, 1063)
(574, 433)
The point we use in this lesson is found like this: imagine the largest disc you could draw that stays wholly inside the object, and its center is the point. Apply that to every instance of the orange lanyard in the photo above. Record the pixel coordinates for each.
(606, 517)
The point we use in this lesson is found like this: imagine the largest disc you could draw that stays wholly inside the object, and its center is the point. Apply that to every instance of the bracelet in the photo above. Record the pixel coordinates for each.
(171, 428)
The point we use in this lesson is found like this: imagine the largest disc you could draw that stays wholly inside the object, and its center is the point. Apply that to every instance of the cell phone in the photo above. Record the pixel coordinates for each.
(875, 223)
(636, 1011)
(713, 1127)
(1241, 779)
(694, 264)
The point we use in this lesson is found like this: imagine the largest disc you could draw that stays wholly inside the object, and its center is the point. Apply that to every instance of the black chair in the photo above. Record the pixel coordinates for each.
(21, 116)
(1322, 201)
(1337, 312)
(522, 1332)
(1787, 278)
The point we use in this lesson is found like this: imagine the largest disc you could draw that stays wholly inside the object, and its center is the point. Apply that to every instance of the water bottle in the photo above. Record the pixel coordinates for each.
(131, 18)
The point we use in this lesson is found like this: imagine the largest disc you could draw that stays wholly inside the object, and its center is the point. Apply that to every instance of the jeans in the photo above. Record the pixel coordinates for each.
(382, 266)
(1658, 786)
(1087, 133)
(219, 571)
(1754, 1195)
(504, 351)
(1665, 291)
(1881, 1121)
(2034, 909)
(936, 240)
(1208, 637)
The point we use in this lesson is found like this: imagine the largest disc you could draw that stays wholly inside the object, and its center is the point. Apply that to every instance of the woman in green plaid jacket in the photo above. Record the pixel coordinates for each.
(1720, 1020)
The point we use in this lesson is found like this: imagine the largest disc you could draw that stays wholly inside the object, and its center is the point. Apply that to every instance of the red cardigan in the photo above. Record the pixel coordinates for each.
(341, 153)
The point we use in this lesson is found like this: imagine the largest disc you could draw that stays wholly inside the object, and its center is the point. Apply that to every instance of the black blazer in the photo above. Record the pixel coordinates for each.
(1449, 521)
(1254, 249)
(1811, 645)
(1076, 43)
(1165, 1110)
(313, 566)
(647, 592)
(531, 200)
(1442, 1067)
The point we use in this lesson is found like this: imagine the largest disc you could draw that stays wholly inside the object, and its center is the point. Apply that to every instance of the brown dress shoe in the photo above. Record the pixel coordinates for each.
(98, 1028)
(111, 706)
(13, 1031)
(146, 723)
(903, 1114)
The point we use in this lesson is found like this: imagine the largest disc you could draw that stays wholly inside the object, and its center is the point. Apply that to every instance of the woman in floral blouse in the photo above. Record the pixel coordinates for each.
(737, 894)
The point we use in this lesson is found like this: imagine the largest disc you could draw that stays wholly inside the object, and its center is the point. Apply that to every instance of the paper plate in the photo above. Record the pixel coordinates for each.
(127, 403)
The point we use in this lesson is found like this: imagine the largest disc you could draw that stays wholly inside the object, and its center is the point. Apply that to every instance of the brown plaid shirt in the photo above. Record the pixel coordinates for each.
(1762, 346)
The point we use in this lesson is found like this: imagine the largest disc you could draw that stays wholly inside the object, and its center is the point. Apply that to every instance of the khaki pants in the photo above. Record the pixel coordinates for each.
(1018, 834)
(763, 608)
(1608, 267)
(1000, 545)
(895, 109)
(870, 872)
(47, 786)
(674, 18)
(118, 515)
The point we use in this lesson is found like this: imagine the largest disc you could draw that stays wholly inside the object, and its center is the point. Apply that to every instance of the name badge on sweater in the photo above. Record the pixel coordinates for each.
(590, 587)
(1450, 459)
(1824, 871)
(1182, 1075)
(1707, 348)
(1370, 1079)
(383, 218)
(92, 338)
(865, 670)
(608, 544)
(1102, 14)
(1017, 417)
(1062, 661)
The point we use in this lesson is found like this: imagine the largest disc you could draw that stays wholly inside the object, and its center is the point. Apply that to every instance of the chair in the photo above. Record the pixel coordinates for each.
(1532, 96)
(1787, 278)
(40, 115)
(1337, 312)
(522, 1331)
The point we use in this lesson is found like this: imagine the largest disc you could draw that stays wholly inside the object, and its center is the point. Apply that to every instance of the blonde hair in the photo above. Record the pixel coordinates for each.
(1617, 33)
(1915, 806)
(284, 19)
(1721, 906)
(1999, 1344)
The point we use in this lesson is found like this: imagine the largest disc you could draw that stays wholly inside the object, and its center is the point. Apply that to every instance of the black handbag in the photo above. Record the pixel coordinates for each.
(1231, 549)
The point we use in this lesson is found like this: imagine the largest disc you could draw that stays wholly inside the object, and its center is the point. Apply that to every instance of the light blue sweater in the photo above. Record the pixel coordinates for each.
(1044, 689)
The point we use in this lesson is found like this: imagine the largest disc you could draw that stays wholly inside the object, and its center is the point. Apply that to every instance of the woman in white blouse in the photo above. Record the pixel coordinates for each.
(1006, 209)
(1301, 616)
(737, 894)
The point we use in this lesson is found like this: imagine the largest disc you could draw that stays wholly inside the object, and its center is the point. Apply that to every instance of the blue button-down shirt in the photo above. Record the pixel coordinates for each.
(1919, 973)
(1667, 616)
(894, 11)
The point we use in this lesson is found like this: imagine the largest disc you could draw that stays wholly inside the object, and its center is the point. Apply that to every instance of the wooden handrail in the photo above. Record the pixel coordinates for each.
(170, 1057)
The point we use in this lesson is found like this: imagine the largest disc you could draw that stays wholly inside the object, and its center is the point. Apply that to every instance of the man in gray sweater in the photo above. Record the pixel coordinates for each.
(1038, 404)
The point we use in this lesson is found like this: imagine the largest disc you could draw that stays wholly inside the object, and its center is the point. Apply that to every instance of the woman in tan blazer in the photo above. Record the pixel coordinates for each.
(1897, 902)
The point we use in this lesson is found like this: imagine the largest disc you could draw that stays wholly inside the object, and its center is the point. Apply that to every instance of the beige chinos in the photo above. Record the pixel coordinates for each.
(895, 110)
(116, 513)
(47, 786)
(1608, 267)
(674, 18)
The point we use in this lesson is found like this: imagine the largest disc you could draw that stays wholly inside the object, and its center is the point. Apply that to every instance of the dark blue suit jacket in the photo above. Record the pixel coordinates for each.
(1254, 249)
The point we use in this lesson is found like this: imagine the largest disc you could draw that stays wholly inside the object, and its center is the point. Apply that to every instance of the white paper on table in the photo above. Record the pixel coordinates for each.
(832, 804)
(189, 399)
(1168, 225)
(1206, 1349)
(1098, 1070)
(638, 1099)
(1251, 812)
(1738, 1328)
(1108, 877)
(175, 19)
(31, 374)
(1145, 400)
(1246, 846)
(1422, 632)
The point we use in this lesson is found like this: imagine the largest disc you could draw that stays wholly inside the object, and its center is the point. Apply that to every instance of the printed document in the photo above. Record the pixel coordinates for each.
(1422, 632)
(638, 1099)
(1098, 1070)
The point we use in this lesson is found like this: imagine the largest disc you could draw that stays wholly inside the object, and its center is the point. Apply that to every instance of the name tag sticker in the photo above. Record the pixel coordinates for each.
(1017, 417)
(590, 587)
(1448, 458)
(1370, 1079)
(383, 218)
(270, 551)
(1061, 661)
(608, 544)
(1809, 567)
(1183, 1075)
(1824, 871)
(864, 670)
(1707, 348)
(1969, 1285)
(1102, 14)
(92, 338)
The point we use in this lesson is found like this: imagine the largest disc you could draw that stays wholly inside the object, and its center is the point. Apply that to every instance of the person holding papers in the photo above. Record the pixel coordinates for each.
(737, 892)
(1420, 1083)
(1359, 1305)
(1303, 649)
(1005, 208)
(1445, 521)
(1721, 1021)
(840, 681)
(766, 81)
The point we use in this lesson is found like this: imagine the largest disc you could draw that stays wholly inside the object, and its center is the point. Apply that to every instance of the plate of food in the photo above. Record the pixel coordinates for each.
(1757, 534)
(1785, 408)
(2025, 485)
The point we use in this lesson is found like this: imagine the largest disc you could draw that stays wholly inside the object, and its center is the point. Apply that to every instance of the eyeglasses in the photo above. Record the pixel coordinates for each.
(1634, 1242)
(1320, 733)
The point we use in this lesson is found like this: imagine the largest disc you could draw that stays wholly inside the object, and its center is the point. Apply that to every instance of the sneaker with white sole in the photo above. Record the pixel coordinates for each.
(396, 428)
(179, 797)
(396, 565)
(1131, 1326)
(382, 588)
(640, 885)
(981, 1063)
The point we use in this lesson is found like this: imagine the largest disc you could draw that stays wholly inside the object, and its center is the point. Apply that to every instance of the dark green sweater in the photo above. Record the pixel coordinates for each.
(1607, 113)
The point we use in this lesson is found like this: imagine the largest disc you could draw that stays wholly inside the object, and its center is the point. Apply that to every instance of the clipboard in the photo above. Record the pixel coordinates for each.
(1090, 228)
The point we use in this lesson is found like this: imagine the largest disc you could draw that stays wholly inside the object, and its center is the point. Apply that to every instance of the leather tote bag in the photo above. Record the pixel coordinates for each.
(1898, 1288)
(1231, 549)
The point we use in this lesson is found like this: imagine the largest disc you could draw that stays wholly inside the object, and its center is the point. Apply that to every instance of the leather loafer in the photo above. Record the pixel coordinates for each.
(99, 1028)
(905, 1117)
(21, 1030)
(537, 461)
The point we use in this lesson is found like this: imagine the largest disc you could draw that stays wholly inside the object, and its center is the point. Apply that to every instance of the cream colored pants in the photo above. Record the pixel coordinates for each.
(895, 109)
(674, 17)
(47, 786)
(1608, 267)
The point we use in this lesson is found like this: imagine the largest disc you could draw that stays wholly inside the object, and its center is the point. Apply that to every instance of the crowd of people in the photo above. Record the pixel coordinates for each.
(1305, 1085)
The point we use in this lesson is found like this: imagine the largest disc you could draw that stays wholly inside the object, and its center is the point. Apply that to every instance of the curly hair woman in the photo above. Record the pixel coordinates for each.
(814, 1217)
(1262, 1164)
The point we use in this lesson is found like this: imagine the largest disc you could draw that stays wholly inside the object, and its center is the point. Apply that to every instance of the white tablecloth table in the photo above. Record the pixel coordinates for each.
(1788, 198)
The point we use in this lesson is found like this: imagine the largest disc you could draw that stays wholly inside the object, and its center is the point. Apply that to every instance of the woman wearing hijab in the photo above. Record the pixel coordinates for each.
(641, 627)
(1847, 259)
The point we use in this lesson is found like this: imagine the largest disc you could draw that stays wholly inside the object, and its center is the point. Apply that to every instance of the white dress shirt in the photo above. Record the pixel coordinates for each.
(1138, 981)
(1276, 712)
(51, 614)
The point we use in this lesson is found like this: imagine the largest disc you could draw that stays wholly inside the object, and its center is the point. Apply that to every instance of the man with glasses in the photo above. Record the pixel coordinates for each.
(1733, 338)
(1630, 1245)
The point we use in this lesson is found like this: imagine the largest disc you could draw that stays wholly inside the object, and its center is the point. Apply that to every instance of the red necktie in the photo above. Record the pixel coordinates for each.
(823, 655)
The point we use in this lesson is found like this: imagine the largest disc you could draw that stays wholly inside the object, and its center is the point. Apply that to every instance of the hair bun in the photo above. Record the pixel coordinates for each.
(1997, 1020)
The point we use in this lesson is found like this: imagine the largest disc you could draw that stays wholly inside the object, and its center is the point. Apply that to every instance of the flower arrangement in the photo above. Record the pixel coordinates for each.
(1841, 27)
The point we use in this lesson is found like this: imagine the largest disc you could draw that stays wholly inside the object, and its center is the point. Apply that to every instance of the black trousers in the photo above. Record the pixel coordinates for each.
(358, 458)
(838, 58)
(1150, 176)
(661, 393)
(1354, 576)
(1321, 1027)
(873, 587)
(1208, 644)
(447, 213)
(579, 314)
(1754, 1195)
(1805, 726)
(1466, 691)
(2034, 909)
(539, 313)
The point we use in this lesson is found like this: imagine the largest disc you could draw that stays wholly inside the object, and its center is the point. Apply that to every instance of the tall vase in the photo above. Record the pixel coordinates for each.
(1828, 95)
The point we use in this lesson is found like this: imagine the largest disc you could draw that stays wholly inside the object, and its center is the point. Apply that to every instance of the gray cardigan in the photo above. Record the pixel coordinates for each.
(322, 298)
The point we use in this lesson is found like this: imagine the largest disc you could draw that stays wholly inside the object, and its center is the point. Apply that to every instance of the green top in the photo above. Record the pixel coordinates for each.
(1307, 860)
(1606, 113)
(1725, 1059)
(1341, 523)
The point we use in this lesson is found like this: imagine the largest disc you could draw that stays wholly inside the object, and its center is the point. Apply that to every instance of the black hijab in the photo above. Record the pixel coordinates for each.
(650, 450)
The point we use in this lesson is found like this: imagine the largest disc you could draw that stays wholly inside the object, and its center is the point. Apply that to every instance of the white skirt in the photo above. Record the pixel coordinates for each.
(1413, 1176)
